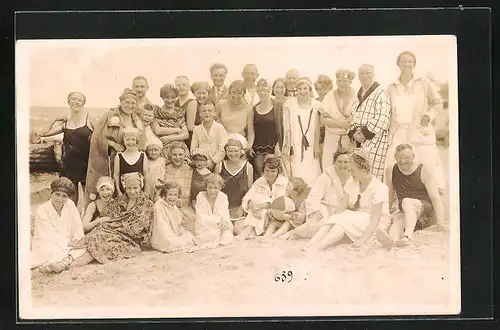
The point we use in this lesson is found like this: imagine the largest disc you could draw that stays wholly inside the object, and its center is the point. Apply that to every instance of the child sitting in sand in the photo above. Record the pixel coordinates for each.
(282, 221)
(155, 169)
(105, 188)
(258, 199)
(213, 226)
(130, 160)
(200, 172)
(168, 234)
(170, 121)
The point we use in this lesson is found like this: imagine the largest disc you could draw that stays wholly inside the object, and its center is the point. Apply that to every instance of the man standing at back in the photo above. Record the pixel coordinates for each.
(250, 74)
(419, 201)
(370, 119)
(140, 87)
(219, 91)
(291, 78)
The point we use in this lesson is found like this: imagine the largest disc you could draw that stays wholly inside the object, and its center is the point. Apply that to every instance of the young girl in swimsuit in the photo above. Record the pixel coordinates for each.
(130, 160)
(105, 188)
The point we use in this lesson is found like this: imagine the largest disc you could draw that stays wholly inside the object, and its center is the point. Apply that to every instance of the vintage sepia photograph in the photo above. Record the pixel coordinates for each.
(238, 177)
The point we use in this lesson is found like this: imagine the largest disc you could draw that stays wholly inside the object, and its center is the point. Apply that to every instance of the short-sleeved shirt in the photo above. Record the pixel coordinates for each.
(377, 192)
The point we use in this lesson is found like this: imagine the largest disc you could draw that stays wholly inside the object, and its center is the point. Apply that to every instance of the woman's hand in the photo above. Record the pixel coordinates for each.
(359, 137)
(250, 152)
(118, 147)
(252, 207)
(179, 203)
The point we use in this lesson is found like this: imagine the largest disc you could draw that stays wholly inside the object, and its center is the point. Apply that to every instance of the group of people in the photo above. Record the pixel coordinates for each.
(251, 159)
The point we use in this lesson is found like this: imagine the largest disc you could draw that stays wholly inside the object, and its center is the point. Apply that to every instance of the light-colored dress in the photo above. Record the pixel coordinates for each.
(356, 222)
(303, 163)
(208, 230)
(155, 171)
(182, 176)
(168, 233)
(327, 196)
(234, 118)
(409, 104)
(54, 233)
(211, 141)
(261, 192)
(335, 136)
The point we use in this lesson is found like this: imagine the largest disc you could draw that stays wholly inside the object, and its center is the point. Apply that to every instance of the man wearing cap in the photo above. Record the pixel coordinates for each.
(250, 74)
(219, 91)
(370, 119)
(291, 78)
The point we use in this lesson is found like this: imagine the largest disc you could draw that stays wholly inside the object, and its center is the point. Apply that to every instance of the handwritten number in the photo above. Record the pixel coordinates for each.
(284, 276)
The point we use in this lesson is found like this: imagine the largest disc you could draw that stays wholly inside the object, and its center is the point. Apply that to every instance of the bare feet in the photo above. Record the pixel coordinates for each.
(384, 238)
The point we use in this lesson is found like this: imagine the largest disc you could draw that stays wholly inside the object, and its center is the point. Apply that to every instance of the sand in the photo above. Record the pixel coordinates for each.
(244, 274)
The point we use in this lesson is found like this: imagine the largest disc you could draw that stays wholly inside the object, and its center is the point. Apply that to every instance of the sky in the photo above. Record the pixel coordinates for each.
(101, 69)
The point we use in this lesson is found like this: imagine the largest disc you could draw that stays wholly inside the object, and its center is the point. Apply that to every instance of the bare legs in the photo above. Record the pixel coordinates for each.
(327, 235)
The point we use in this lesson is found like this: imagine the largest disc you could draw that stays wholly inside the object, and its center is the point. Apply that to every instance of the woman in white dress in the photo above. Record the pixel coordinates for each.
(302, 145)
(57, 226)
(337, 106)
(368, 202)
(415, 104)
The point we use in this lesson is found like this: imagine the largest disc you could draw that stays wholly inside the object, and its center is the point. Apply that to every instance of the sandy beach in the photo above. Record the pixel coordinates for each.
(244, 274)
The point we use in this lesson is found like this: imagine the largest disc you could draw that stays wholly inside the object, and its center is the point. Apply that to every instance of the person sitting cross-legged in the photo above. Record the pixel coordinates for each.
(419, 201)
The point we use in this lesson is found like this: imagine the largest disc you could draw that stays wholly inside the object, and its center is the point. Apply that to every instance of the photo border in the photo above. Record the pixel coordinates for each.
(472, 28)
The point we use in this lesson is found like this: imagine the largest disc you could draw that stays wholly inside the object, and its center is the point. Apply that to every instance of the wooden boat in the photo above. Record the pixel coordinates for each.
(46, 156)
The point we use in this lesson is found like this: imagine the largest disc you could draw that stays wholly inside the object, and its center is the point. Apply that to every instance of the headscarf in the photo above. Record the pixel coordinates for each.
(236, 140)
(77, 95)
(168, 89)
(127, 92)
(197, 85)
(305, 80)
(128, 179)
(105, 181)
(131, 131)
(345, 74)
(64, 185)
(362, 159)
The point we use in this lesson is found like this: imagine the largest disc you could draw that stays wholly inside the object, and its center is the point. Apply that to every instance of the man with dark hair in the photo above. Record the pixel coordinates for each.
(419, 202)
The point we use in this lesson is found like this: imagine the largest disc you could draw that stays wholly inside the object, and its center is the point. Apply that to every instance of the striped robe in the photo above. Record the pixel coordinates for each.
(372, 115)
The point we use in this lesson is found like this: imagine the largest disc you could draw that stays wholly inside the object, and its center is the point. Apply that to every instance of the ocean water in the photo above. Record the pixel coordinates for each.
(42, 117)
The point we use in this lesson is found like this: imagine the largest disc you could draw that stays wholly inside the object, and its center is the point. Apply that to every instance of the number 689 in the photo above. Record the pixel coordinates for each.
(284, 276)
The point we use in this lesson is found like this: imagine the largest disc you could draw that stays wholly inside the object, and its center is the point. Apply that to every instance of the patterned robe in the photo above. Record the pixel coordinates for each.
(164, 119)
(371, 115)
(122, 238)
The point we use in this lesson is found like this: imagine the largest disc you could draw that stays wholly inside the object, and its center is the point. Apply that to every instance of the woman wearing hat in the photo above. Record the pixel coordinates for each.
(107, 140)
(57, 225)
(76, 130)
(337, 106)
(302, 145)
(105, 188)
(126, 231)
(236, 115)
(237, 173)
